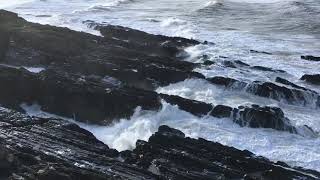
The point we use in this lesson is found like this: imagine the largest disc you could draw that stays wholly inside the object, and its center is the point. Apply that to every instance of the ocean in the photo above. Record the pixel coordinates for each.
(268, 33)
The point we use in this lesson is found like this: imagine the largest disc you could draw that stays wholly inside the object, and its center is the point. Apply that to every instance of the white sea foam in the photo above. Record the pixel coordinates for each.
(275, 145)
(234, 36)
(35, 69)
(11, 3)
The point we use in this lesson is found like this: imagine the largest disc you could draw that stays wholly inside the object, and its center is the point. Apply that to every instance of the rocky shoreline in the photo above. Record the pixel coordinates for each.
(38, 148)
(96, 80)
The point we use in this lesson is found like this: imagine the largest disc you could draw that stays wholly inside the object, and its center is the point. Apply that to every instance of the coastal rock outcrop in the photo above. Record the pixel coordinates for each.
(290, 92)
(38, 148)
(136, 58)
(100, 79)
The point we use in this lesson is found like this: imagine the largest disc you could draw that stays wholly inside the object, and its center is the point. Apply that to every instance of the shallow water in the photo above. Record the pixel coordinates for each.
(285, 28)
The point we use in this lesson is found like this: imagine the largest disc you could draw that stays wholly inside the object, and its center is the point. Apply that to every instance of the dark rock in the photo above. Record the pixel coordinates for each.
(260, 52)
(276, 92)
(221, 111)
(295, 95)
(263, 117)
(36, 148)
(89, 78)
(172, 156)
(96, 101)
(313, 78)
(208, 63)
(310, 58)
(223, 81)
(134, 57)
(229, 64)
(167, 131)
(194, 107)
(227, 82)
(47, 149)
(154, 43)
(93, 99)
(286, 82)
(208, 43)
(223, 57)
(262, 68)
(241, 63)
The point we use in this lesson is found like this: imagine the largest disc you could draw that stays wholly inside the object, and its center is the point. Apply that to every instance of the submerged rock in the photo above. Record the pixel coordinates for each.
(286, 82)
(262, 68)
(311, 78)
(310, 58)
(260, 52)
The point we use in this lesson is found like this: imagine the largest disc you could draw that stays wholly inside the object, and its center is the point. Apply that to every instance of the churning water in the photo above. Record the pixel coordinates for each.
(286, 29)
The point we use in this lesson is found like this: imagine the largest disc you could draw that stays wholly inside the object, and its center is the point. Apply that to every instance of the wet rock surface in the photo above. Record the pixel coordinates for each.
(291, 93)
(98, 79)
(136, 58)
(262, 117)
(37, 148)
(311, 78)
(173, 156)
(87, 77)
(84, 98)
(310, 58)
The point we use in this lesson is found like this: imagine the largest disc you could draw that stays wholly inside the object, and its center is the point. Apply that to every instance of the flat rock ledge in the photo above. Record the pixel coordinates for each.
(38, 148)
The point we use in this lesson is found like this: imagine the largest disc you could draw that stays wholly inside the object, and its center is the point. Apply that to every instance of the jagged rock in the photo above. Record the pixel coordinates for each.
(224, 81)
(241, 63)
(271, 90)
(229, 64)
(260, 117)
(263, 117)
(310, 58)
(221, 111)
(227, 82)
(37, 148)
(286, 82)
(93, 99)
(262, 68)
(96, 100)
(136, 58)
(194, 107)
(311, 78)
(276, 92)
(171, 155)
(156, 44)
(208, 62)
